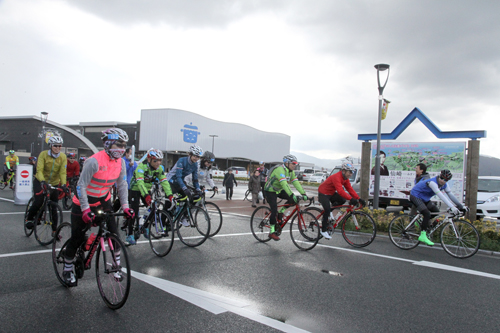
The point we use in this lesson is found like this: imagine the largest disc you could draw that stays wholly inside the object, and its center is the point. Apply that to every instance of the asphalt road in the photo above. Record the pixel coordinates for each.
(232, 283)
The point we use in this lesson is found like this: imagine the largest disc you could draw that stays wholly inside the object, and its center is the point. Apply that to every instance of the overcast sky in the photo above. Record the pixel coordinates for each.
(299, 67)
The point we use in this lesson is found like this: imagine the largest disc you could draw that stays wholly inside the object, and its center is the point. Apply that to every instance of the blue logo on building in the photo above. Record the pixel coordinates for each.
(190, 133)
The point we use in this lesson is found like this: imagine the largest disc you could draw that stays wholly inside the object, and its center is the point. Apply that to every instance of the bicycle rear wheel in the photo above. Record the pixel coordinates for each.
(462, 244)
(27, 231)
(45, 224)
(215, 215)
(402, 234)
(304, 230)
(161, 235)
(198, 230)
(112, 271)
(248, 195)
(62, 236)
(358, 229)
(259, 223)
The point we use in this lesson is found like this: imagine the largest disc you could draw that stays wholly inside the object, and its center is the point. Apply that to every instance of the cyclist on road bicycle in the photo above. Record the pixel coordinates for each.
(204, 171)
(141, 184)
(32, 161)
(420, 174)
(331, 193)
(51, 169)
(72, 168)
(99, 173)
(277, 186)
(421, 194)
(185, 166)
(82, 161)
(11, 162)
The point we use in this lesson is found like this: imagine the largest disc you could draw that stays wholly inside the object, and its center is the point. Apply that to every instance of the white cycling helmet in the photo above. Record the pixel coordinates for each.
(155, 153)
(348, 167)
(55, 140)
(290, 159)
(195, 150)
(114, 134)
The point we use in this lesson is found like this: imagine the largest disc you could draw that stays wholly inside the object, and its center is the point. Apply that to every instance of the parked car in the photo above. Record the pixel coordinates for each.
(318, 177)
(306, 176)
(239, 172)
(488, 196)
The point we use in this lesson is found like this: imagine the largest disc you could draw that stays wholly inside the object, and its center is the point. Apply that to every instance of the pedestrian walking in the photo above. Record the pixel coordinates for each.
(228, 183)
(263, 179)
(254, 187)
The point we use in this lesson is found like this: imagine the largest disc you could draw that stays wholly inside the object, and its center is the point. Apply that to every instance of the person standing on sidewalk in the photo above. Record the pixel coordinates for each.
(254, 187)
(228, 183)
(263, 178)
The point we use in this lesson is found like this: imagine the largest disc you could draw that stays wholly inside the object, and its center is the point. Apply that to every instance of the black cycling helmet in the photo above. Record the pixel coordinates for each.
(208, 157)
(445, 174)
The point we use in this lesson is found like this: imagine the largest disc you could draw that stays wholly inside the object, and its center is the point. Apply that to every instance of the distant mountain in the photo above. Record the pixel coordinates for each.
(318, 162)
(488, 166)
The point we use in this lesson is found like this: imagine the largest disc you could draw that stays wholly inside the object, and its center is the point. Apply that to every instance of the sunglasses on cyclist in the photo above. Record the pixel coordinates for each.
(57, 146)
(442, 179)
(121, 145)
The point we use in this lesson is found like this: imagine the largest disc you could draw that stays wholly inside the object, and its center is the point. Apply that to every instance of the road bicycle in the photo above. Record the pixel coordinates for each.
(190, 221)
(358, 228)
(112, 266)
(11, 179)
(304, 228)
(157, 225)
(67, 197)
(213, 211)
(459, 238)
(46, 219)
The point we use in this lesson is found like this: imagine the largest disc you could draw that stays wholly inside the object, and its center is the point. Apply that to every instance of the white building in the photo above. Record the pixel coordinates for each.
(174, 131)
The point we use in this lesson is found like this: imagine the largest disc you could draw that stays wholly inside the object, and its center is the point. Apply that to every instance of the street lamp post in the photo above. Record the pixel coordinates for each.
(380, 68)
(213, 136)
(43, 117)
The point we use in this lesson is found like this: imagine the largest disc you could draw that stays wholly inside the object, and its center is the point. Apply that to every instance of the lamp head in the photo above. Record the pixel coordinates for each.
(382, 67)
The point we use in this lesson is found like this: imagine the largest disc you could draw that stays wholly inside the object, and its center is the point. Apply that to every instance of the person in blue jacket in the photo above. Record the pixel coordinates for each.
(131, 165)
(187, 165)
(422, 193)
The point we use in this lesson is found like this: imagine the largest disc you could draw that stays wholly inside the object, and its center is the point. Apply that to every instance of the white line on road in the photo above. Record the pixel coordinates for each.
(7, 199)
(212, 302)
(12, 213)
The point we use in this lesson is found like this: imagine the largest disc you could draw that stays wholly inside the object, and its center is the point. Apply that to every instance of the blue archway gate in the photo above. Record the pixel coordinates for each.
(472, 167)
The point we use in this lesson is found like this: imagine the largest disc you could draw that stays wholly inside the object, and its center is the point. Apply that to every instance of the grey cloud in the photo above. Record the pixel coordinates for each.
(177, 13)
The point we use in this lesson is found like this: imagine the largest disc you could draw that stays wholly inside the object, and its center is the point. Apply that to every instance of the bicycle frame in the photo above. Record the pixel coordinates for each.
(349, 209)
(296, 208)
(447, 219)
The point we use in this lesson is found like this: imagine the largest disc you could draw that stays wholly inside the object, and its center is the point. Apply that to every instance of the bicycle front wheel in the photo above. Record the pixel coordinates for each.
(402, 234)
(46, 222)
(67, 201)
(62, 236)
(27, 231)
(358, 229)
(304, 230)
(161, 235)
(112, 271)
(259, 223)
(460, 239)
(215, 215)
(198, 230)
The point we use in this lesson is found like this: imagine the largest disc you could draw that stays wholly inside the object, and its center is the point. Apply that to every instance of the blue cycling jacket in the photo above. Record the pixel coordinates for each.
(181, 169)
(423, 191)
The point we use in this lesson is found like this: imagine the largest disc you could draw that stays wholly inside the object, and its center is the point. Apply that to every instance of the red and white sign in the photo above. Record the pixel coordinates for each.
(25, 173)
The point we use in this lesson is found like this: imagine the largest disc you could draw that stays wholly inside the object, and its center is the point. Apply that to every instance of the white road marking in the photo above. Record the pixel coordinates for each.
(456, 269)
(212, 302)
(12, 213)
(10, 200)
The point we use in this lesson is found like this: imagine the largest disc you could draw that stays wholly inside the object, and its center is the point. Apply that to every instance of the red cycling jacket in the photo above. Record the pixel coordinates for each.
(336, 184)
(72, 169)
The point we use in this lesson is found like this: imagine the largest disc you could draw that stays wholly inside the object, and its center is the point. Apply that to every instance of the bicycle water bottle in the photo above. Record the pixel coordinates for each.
(287, 214)
(143, 219)
(89, 242)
